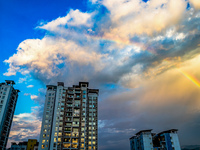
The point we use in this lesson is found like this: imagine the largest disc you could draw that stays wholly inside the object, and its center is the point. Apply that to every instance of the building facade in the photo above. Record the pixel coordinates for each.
(70, 118)
(32, 144)
(8, 100)
(167, 140)
(145, 140)
(142, 141)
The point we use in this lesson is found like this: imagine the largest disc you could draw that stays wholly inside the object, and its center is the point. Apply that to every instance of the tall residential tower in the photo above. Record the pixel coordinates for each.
(8, 100)
(70, 118)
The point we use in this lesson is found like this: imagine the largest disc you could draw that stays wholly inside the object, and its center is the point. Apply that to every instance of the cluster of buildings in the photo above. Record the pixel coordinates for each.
(146, 140)
(70, 118)
(31, 144)
(70, 121)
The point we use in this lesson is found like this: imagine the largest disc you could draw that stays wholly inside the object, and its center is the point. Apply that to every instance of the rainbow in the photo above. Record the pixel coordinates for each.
(143, 47)
(190, 77)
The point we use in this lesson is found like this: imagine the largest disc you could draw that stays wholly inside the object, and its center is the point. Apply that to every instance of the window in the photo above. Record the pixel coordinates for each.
(45, 130)
(60, 134)
(59, 139)
(42, 146)
(66, 145)
(43, 141)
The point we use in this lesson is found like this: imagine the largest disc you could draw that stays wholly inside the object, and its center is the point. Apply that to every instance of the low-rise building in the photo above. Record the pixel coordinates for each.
(19, 146)
(32, 144)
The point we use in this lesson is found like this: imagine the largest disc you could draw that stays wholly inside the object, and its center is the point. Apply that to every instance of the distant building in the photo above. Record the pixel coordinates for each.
(167, 140)
(32, 144)
(70, 118)
(19, 146)
(142, 140)
(145, 140)
(8, 100)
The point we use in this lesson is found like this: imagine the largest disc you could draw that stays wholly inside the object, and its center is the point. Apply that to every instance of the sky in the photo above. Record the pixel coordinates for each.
(143, 56)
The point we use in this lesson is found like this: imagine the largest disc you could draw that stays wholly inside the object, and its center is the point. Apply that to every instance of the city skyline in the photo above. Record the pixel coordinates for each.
(143, 56)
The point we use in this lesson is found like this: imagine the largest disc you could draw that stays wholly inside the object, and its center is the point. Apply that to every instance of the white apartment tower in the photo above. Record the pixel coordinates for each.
(8, 100)
(70, 118)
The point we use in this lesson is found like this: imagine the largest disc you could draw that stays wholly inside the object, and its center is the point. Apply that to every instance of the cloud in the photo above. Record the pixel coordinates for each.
(44, 56)
(169, 101)
(73, 18)
(133, 52)
(195, 3)
(25, 126)
(145, 18)
(30, 86)
(21, 80)
(26, 94)
(33, 97)
(101, 44)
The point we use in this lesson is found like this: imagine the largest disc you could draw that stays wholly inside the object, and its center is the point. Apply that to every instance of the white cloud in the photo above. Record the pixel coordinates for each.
(136, 17)
(44, 55)
(11, 71)
(25, 126)
(30, 86)
(26, 94)
(195, 3)
(73, 18)
(42, 90)
(33, 97)
(112, 52)
(21, 80)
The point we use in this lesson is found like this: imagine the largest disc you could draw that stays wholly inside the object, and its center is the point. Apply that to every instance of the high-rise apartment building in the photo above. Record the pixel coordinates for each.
(70, 118)
(8, 100)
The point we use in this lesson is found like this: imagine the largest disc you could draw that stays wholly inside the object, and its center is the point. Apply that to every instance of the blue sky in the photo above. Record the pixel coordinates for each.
(143, 56)
(18, 22)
